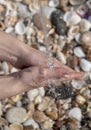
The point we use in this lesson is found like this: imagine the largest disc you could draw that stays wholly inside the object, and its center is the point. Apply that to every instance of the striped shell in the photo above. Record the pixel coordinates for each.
(85, 41)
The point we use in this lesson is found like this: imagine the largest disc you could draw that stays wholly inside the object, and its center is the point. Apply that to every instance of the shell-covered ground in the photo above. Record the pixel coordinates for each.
(66, 106)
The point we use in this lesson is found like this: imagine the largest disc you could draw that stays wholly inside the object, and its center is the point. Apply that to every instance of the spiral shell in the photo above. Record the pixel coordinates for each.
(85, 41)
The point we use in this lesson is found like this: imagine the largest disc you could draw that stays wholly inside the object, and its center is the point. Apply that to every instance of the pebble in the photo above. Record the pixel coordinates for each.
(16, 114)
(85, 65)
(80, 100)
(3, 122)
(52, 114)
(31, 122)
(46, 125)
(39, 116)
(46, 102)
(32, 94)
(38, 21)
(5, 67)
(79, 52)
(16, 126)
(75, 113)
(58, 22)
(77, 84)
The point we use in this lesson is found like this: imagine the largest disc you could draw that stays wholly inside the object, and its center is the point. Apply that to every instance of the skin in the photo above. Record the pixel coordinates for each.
(33, 64)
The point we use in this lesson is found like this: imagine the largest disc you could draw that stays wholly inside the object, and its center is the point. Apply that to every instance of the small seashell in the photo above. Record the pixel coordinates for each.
(52, 114)
(79, 52)
(85, 41)
(20, 28)
(16, 114)
(82, 10)
(75, 113)
(32, 94)
(76, 2)
(61, 57)
(73, 31)
(80, 100)
(32, 123)
(53, 3)
(71, 18)
(5, 67)
(85, 25)
(77, 37)
(85, 65)
(39, 116)
(16, 126)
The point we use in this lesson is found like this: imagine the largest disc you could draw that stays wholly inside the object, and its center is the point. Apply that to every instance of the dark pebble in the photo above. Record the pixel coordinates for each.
(57, 21)
(60, 92)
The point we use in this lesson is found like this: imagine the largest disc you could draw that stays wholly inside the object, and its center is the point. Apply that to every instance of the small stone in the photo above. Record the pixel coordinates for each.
(32, 94)
(85, 65)
(79, 52)
(80, 100)
(57, 21)
(41, 91)
(29, 127)
(16, 126)
(16, 114)
(46, 102)
(38, 21)
(52, 114)
(46, 125)
(31, 122)
(75, 113)
(39, 116)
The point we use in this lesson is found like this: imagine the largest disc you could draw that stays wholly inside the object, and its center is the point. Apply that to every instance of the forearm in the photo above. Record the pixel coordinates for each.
(12, 85)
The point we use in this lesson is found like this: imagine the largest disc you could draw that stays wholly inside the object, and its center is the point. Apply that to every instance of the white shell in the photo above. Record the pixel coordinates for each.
(73, 31)
(85, 25)
(71, 18)
(20, 28)
(32, 94)
(5, 67)
(79, 52)
(13, 70)
(31, 122)
(75, 113)
(41, 91)
(61, 57)
(53, 3)
(85, 65)
(9, 30)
